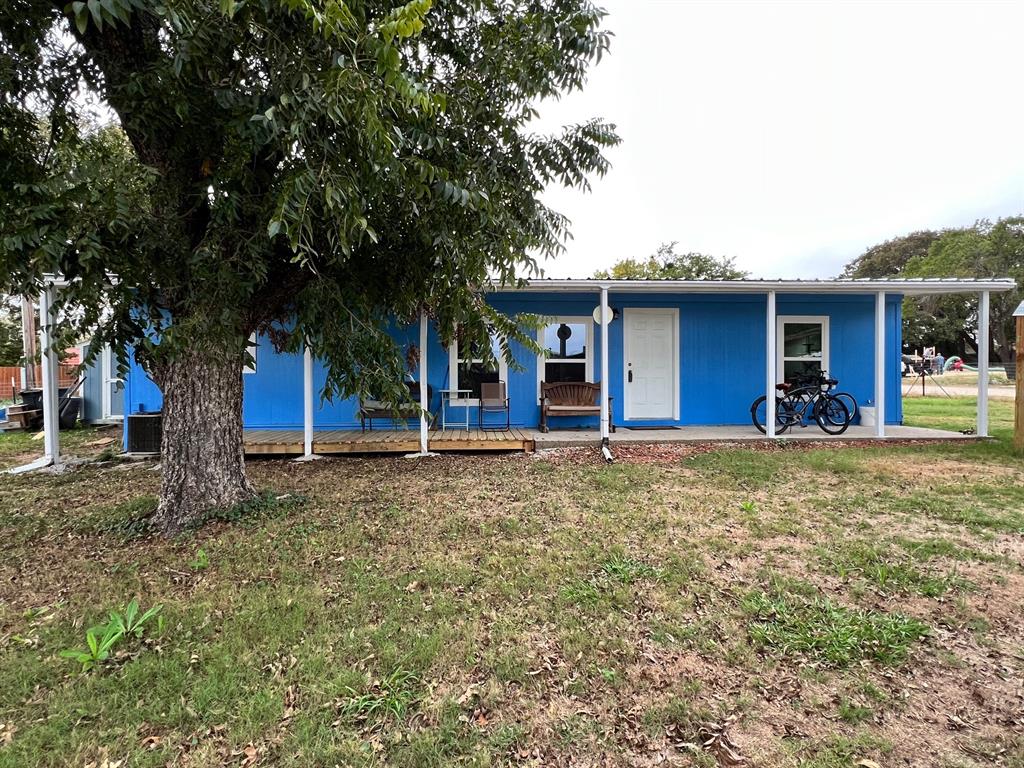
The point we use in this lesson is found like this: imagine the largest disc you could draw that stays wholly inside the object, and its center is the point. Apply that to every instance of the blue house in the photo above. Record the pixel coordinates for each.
(671, 354)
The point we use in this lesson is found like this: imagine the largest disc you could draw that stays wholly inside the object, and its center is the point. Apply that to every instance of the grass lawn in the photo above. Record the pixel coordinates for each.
(790, 605)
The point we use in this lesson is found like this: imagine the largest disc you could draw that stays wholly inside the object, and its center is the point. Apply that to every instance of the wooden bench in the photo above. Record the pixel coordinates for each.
(378, 409)
(571, 398)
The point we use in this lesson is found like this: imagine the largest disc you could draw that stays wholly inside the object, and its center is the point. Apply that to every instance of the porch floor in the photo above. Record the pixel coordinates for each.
(289, 441)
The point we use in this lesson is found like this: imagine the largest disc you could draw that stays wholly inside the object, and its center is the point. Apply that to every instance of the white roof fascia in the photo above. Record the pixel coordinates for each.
(911, 287)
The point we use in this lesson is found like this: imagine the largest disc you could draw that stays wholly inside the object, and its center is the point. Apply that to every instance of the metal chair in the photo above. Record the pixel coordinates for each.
(494, 399)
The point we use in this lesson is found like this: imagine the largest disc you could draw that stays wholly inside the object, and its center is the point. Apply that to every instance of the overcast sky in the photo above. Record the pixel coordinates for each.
(795, 135)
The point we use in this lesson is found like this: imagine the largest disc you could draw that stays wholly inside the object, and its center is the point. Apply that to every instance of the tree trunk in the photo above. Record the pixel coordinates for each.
(202, 454)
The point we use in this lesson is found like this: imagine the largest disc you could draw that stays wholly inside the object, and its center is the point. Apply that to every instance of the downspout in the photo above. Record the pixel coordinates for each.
(424, 390)
(605, 416)
(307, 403)
(51, 419)
(307, 407)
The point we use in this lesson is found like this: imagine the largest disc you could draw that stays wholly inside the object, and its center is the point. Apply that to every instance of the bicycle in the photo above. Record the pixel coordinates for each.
(816, 378)
(808, 396)
(820, 379)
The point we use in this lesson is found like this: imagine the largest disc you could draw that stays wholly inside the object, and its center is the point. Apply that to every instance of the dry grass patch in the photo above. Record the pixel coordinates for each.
(690, 605)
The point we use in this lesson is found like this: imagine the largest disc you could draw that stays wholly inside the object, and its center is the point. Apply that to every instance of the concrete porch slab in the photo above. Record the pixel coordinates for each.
(731, 434)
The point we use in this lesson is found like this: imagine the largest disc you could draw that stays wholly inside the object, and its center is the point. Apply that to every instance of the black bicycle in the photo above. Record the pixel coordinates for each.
(806, 397)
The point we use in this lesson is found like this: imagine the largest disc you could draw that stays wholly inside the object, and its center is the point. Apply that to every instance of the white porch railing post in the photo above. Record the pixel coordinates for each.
(983, 323)
(307, 401)
(770, 373)
(51, 419)
(880, 364)
(424, 399)
(605, 327)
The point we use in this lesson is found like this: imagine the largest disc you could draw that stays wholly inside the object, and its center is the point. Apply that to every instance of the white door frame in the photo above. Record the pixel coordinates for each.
(626, 312)
(108, 380)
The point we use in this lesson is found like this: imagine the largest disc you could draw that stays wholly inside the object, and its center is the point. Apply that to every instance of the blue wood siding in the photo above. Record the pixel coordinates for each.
(721, 356)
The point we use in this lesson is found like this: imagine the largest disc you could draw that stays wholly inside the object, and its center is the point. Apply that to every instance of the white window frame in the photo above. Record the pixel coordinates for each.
(588, 362)
(780, 331)
(453, 374)
(252, 346)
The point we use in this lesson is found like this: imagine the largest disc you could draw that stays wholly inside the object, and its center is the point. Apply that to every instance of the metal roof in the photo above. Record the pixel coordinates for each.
(906, 286)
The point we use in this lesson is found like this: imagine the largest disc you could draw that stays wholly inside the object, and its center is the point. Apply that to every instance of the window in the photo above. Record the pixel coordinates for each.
(567, 357)
(467, 370)
(251, 349)
(803, 345)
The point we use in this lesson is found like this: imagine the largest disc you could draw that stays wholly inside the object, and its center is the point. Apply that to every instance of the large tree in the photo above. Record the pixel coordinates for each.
(986, 249)
(308, 168)
(666, 264)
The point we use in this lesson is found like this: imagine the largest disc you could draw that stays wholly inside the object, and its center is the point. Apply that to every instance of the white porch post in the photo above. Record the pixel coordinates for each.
(880, 364)
(605, 327)
(307, 402)
(51, 419)
(983, 322)
(770, 373)
(424, 400)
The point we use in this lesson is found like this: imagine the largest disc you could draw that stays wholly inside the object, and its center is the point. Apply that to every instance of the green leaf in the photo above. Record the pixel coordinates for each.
(97, 13)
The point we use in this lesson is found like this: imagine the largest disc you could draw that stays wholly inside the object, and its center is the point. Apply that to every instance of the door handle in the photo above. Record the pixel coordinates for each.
(629, 377)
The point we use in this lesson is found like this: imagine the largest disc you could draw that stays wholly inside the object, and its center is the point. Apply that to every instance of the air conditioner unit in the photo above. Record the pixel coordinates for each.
(144, 431)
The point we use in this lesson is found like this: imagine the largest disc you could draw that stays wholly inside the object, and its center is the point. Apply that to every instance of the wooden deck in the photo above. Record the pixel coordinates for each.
(289, 441)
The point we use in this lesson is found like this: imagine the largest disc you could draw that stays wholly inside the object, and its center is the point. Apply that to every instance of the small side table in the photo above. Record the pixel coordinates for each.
(447, 395)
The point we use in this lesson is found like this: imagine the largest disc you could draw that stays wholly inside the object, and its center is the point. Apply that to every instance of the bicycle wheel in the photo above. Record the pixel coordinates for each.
(849, 401)
(831, 415)
(758, 411)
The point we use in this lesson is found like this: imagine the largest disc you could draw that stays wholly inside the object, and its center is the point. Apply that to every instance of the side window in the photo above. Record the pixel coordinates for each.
(467, 369)
(803, 346)
(567, 355)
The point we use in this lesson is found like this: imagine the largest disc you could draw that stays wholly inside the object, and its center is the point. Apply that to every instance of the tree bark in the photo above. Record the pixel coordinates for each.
(202, 454)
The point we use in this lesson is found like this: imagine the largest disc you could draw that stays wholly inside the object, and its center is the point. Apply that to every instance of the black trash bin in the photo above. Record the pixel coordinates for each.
(69, 412)
(70, 408)
(33, 398)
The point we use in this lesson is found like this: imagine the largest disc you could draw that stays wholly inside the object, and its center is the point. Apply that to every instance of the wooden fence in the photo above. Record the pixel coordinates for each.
(10, 379)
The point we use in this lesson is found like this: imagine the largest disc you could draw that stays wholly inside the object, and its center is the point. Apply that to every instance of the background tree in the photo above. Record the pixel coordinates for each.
(950, 322)
(666, 264)
(890, 258)
(306, 168)
(10, 331)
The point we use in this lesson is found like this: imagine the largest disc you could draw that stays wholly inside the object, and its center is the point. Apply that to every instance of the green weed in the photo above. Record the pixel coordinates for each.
(389, 699)
(824, 631)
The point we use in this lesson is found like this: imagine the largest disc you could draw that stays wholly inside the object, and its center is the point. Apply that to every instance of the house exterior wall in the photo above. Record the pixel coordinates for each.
(721, 354)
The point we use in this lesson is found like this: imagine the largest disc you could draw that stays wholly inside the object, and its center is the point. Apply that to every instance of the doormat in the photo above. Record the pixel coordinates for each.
(641, 429)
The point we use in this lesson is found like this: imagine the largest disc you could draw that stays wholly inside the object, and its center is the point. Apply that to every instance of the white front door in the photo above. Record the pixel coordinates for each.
(652, 372)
